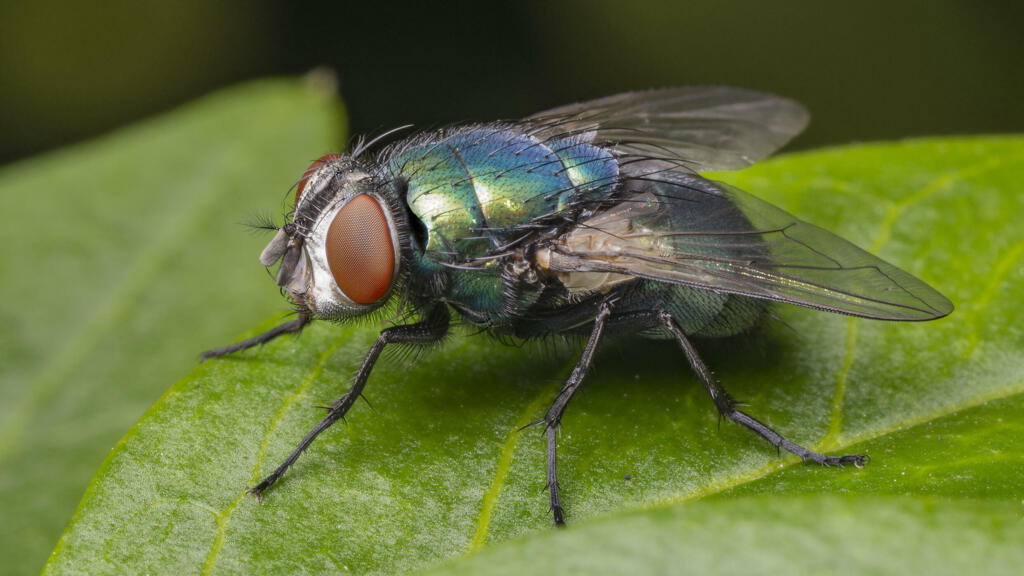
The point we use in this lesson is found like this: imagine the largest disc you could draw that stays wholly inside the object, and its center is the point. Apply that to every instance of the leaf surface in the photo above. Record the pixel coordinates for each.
(123, 259)
(437, 476)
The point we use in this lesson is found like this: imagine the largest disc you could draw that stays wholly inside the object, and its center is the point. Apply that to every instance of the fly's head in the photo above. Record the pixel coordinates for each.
(341, 253)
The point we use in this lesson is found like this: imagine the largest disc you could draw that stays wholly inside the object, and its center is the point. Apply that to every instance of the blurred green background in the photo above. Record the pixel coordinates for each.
(867, 70)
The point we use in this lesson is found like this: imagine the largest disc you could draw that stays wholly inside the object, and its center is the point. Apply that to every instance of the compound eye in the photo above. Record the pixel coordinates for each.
(360, 250)
(309, 172)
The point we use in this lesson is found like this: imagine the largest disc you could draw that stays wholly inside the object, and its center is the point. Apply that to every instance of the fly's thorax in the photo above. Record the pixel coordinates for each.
(342, 253)
(473, 187)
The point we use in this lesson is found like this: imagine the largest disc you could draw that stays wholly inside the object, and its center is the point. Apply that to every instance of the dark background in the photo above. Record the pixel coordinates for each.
(867, 70)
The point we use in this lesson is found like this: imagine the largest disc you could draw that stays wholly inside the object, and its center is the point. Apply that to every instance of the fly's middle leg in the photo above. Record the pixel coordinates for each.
(554, 414)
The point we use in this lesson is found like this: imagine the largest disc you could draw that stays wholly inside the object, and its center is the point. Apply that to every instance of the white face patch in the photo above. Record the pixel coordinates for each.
(321, 292)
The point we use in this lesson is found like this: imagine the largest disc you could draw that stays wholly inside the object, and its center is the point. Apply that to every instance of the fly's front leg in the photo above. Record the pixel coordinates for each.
(289, 327)
(727, 407)
(432, 329)
(554, 415)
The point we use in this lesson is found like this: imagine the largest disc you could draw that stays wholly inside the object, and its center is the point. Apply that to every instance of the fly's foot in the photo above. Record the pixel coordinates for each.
(215, 353)
(858, 460)
(258, 490)
(559, 516)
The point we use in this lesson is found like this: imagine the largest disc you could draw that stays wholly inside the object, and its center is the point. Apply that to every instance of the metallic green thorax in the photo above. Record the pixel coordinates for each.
(476, 187)
(472, 185)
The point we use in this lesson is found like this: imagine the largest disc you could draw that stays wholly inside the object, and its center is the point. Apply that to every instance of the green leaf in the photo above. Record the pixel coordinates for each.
(436, 470)
(123, 259)
(943, 497)
(780, 534)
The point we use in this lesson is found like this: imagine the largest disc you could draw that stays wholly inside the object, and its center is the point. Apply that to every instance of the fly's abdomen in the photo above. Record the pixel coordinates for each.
(476, 187)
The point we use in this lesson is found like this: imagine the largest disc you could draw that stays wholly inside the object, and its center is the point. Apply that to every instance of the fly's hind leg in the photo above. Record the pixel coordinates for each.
(727, 407)
(295, 325)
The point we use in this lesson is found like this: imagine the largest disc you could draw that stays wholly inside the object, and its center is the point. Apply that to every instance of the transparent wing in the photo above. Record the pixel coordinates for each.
(682, 229)
(706, 127)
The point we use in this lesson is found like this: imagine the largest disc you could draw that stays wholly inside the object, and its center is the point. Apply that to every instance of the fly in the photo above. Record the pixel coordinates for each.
(571, 222)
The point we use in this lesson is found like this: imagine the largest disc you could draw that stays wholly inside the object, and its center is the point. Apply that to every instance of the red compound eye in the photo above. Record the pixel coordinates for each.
(360, 250)
(309, 172)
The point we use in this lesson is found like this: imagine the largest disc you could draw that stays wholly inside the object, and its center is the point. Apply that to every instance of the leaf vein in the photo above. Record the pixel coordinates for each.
(938, 184)
(1000, 270)
(224, 515)
(501, 472)
(727, 483)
